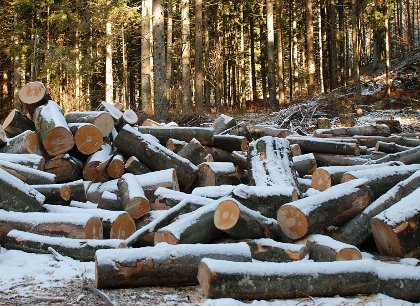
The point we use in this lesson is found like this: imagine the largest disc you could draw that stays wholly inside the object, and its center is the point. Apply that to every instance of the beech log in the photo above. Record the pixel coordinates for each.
(132, 196)
(26, 143)
(217, 173)
(116, 166)
(230, 142)
(266, 249)
(54, 193)
(176, 145)
(324, 248)
(163, 133)
(220, 155)
(304, 164)
(194, 152)
(371, 141)
(408, 157)
(28, 175)
(326, 160)
(17, 123)
(65, 167)
(32, 95)
(110, 201)
(222, 123)
(88, 138)
(102, 120)
(369, 130)
(390, 147)
(95, 168)
(318, 145)
(133, 165)
(34, 161)
(258, 131)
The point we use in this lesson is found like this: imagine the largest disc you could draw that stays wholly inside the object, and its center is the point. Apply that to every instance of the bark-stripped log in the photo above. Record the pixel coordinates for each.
(54, 193)
(65, 167)
(96, 165)
(28, 175)
(132, 196)
(331, 207)
(87, 137)
(81, 226)
(304, 164)
(26, 143)
(34, 161)
(32, 95)
(102, 120)
(265, 281)
(116, 166)
(17, 123)
(357, 230)
(163, 133)
(266, 249)
(324, 248)
(52, 129)
(160, 265)
(396, 229)
(222, 123)
(318, 145)
(369, 130)
(116, 224)
(155, 156)
(81, 249)
(217, 173)
(16, 195)
(133, 165)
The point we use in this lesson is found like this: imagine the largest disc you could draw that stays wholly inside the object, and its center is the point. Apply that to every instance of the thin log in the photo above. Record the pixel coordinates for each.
(230, 143)
(34, 161)
(220, 155)
(132, 196)
(217, 173)
(326, 160)
(258, 131)
(54, 193)
(110, 201)
(92, 170)
(116, 166)
(390, 147)
(318, 145)
(408, 157)
(364, 130)
(163, 133)
(28, 175)
(266, 249)
(371, 141)
(176, 145)
(324, 248)
(194, 152)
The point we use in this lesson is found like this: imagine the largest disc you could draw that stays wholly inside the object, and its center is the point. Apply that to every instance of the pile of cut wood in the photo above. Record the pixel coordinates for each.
(281, 216)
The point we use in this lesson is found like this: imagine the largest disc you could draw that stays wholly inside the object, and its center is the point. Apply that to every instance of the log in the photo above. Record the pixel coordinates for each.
(394, 125)
(113, 109)
(163, 133)
(318, 145)
(331, 207)
(17, 123)
(132, 196)
(216, 192)
(304, 164)
(364, 130)
(295, 150)
(269, 163)
(323, 123)
(32, 95)
(194, 152)
(325, 160)
(220, 155)
(16, 195)
(28, 175)
(54, 193)
(102, 120)
(357, 230)
(371, 141)
(396, 229)
(161, 265)
(95, 168)
(77, 190)
(230, 143)
(128, 117)
(265, 281)
(390, 147)
(52, 129)
(380, 180)
(80, 249)
(176, 145)
(87, 137)
(222, 123)
(240, 222)
(34, 161)
(84, 205)
(133, 165)
(80, 226)
(324, 248)
(155, 156)
(305, 183)
(116, 166)
(116, 224)
(408, 157)
(26, 143)
(168, 198)
(65, 168)
(266, 249)
(110, 201)
(150, 122)
(258, 131)
(240, 129)
(217, 173)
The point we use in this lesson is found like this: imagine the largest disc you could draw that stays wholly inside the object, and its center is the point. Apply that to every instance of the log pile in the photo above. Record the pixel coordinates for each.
(100, 186)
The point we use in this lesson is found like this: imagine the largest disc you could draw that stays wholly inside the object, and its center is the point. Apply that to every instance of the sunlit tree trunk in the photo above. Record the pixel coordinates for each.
(169, 50)
(254, 98)
(186, 57)
(387, 51)
(146, 85)
(18, 60)
(109, 82)
(280, 65)
(320, 50)
(355, 45)
(124, 92)
(270, 56)
(198, 61)
(310, 46)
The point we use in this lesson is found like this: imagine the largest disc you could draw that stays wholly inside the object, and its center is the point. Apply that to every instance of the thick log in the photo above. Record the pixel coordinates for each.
(116, 166)
(390, 147)
(241, 222)
(54, 193)
(230, 143)
(357, 230)
(133, 165)
(380, 180)
(269, 163)
(318, 145)
(116, 224)
(28, 175)
(215, 192)
(396, 229)
(304, 164)
(17, 123)
(217, 173)
(34, 161)
(266, 249)
(258, 131)
(295, 150)
(220, 155)
(371, 141)
(176, 145)
(110, 201)
(16, 195)
(52, 129)
(408, 157)
(364, 130)
(65, 167)
(81, 226)
(87, 137)
(32, 95)
(77, 190)
(222, 123)
(155, 156)
(160, 265)
(265, 281)
(96, 165)
(326, 160)
(194, 152)
(102, 120)
(324, 248)
(331, 207)
(132, 196)
(163, 133)
(26, 143)
(81, 249)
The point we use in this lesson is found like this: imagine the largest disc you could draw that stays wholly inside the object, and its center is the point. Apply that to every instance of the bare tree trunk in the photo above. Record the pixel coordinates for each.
(109, 82)
(263, 52)
(254, 98)
(310, 47)
(146, 85)
(295, 52)
(320, 50)
(169, 51)
(198, 73)
(387, 51)
(410, 41)
(124, 70)
(186, 61)
(242, 61)
(355, 45)
(270, 58)
(18, 71)
(280, 66)
(207, 85)
(78, 83)
(332, 56)
(47, 46)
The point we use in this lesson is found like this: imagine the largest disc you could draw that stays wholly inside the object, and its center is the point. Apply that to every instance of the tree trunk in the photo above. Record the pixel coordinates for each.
(96, 165)
(33, 161)
(194, 152)
(388, 51)
(305, 164)
(266, 249)
(26, 174)
(109, 79)
(314, 145)
(254, 98)
(271, 66)
(198, 63)
(355, 51)
(332, 50)
(187, 106)
(133, 165)
(280, 64)
(146, 70)
(310, 47)
(366, 130)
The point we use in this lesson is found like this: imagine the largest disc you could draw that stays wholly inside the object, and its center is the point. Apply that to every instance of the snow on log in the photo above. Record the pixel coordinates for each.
(54, 193)
(163, 133)
(369, 130)
(269, 163)
(304, 164)
(266, 249)
(357, 230)
(34, 161)
(215, 192)
(317, 145)
(81, 249)
(194, 152)
(155, 156)
(16, 195)
(390, 147)
(268, 280)
(96, 164)
(17, 123)
(331, 207)
(396, 229)
(132, 196)
(87, 137)
(223, 123)
(116, 224)
(77, 190)
(52, 129)
(258, 131)
(26, 143)
(75, 225)
(324, 248)
(161, 265)
(220, 155)
(28, 175)
(168, 198)
(217, 173)
(241, 222)
(326, 160)
(32, 95)
(176, 145)
(128, 117)
(116, 166)
(102, 120)
(110, 201)
(133, 165)
(230, 143)
(65, 167)
(408, 157)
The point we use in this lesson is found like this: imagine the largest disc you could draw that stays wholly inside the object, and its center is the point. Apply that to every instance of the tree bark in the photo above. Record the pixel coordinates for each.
(364, 130)
(355, 51)
(96, 165)
(54, 193)
(310, 47)
(280, 64)
(102, 120)
(271, 67)
(146, 70)
(33, 161)
(187, 106)
(109, 79)
(198, 60)
(132, 196)
(324, 248)
(133, 165)
(17, 123)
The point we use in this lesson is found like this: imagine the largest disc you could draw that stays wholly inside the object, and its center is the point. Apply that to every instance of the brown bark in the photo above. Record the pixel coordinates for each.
(65, 168)
(364, 130)
(17, 123)
(230, 142)
(324, 248)
(266, 249)
(132, 196)
(133, 165)
(102, 120)
(217, 173)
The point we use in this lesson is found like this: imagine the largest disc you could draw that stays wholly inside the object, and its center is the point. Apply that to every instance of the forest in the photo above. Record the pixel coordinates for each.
(166, 57)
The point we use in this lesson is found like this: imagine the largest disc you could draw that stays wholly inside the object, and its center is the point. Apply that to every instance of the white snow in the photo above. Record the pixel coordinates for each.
(84, 205)
(214, 192)
(384, 171)
(180, 196)
(245, 191)
(287, 246)
(221, 167)
(303, 157)
(156, 178)
(16, 183)
(53, 112)
(330, 242)
(16, 158)
(102, 154)
(134, 189)
(103, 214)
(47, 177)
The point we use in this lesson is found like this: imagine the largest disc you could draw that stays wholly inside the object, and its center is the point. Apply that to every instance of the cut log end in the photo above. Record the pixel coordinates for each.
(204, 278)
(65, 192)
(386, 239)
(347, 177)
(164, 236)
(58, 141)
(244, 145)
(32, 92)
(116, 168)
(226, 215)
(94, 229)
(321, 179)
(88, 139)
(137, 207)
(123, 227)
(105, 123)
(292, 221)
(349, 254)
